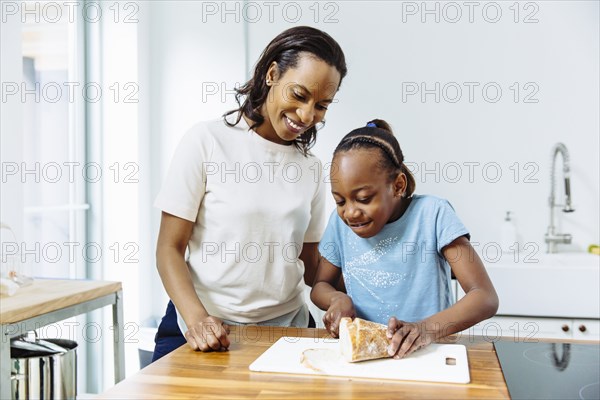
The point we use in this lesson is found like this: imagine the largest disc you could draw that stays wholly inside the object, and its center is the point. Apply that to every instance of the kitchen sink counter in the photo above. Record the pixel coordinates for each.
(185, 374)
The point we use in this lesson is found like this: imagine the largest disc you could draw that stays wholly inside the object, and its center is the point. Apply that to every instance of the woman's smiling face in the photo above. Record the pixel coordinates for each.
(298, 99)
(365, 196)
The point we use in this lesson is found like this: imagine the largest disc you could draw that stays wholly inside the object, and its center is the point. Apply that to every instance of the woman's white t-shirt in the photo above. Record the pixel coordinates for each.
(254, 203)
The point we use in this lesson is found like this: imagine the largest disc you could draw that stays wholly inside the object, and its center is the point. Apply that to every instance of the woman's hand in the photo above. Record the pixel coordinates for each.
(208, 334)
(340, 306)
(406, 337)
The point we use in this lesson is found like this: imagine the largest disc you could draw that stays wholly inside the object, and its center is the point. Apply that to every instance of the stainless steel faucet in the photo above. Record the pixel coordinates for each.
(552, 237)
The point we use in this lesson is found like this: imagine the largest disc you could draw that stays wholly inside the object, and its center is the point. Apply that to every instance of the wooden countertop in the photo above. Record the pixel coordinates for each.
(47, 295)
(185, 374)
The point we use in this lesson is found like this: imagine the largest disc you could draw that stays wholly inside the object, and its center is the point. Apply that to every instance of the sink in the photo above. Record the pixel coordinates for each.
(548, 285)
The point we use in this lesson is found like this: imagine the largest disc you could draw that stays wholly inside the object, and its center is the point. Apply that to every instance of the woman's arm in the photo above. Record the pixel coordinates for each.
(310, 256)
(480, 302)
(327, 297)
(204, 332)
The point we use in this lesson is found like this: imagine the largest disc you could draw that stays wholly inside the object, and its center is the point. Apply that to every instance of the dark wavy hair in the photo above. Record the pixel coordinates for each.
(378, 134)
(285, 50)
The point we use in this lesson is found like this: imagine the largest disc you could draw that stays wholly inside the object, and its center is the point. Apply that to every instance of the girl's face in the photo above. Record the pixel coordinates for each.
(298, 99)
(366, 199)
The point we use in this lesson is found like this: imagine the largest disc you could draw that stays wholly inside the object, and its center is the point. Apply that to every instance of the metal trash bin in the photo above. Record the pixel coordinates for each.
(43, 368)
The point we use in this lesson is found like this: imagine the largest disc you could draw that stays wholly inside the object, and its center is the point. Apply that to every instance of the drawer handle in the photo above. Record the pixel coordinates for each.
(565, 328)
(582, 328)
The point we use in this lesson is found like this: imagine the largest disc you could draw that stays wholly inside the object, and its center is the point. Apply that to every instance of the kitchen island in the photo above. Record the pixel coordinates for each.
(186, 374)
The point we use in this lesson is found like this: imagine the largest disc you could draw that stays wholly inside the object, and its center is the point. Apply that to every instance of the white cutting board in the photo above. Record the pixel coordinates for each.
(426, 364)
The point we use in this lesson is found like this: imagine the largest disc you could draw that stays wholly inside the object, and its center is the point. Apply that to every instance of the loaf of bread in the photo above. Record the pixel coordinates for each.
(362, 340)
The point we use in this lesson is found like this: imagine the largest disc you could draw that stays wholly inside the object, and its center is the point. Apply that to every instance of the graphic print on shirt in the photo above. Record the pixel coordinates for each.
(362, 270)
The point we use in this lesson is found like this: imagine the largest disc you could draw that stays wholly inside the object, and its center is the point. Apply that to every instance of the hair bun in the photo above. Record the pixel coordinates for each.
(381, 124)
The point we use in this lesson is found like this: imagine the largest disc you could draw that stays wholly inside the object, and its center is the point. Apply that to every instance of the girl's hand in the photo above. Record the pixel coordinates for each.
(208, 334)
(406, 337)
(341, 306)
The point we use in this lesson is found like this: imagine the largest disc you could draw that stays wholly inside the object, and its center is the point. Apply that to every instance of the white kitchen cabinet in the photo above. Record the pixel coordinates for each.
(530, 329)
(586, 329)
(527, 313)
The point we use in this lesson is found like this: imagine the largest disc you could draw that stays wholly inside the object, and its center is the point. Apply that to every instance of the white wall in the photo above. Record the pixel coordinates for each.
(388, 49)
(184, 58)
(126, 178)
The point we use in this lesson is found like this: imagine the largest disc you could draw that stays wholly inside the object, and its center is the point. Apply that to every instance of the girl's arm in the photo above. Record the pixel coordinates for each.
(204, 333)
(480, 302)
(325, 296)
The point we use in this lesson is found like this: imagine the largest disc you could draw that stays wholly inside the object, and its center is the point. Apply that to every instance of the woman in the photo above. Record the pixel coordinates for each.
(246, 197)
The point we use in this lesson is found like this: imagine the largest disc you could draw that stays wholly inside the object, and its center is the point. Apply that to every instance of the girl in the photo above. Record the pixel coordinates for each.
(395, 249)
(243, 197)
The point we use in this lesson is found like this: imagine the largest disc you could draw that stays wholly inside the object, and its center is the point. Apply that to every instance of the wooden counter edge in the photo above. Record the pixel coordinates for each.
(47, 295)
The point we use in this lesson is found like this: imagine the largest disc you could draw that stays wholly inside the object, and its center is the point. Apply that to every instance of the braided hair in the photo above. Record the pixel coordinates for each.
(377, 134)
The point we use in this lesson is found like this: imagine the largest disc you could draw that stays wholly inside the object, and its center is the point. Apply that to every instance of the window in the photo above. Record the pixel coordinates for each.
(53, 171)
(53, 168)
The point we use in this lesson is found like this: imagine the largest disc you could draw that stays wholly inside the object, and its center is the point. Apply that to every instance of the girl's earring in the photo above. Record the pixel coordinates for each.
(268, 82)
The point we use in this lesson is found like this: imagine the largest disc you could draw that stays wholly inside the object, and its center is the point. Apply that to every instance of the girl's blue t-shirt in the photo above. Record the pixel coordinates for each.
(401, 271)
